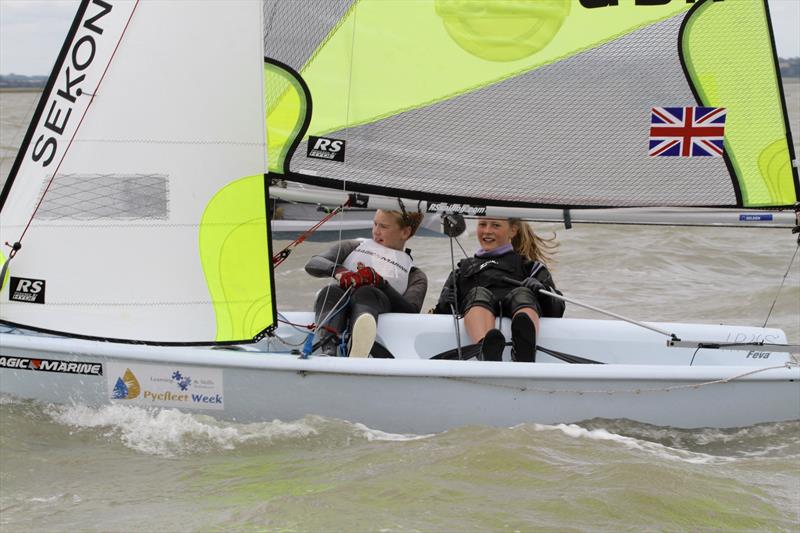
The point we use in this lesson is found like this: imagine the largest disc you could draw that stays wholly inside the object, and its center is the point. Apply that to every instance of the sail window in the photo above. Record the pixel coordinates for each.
(106, 197)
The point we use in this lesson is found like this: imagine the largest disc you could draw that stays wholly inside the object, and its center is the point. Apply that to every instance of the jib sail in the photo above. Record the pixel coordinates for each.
(138, 196)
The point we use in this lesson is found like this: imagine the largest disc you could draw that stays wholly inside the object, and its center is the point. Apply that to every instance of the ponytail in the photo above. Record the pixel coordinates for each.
(527, 244)
(406, 219)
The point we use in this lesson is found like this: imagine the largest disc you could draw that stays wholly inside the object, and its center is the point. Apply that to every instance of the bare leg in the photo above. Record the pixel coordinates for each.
(478, 321)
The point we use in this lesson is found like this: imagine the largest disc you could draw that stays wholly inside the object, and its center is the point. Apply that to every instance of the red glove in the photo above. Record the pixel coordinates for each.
(349, 279)
(368, 276)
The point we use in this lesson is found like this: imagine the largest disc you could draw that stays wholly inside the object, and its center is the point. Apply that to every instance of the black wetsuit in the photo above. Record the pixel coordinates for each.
(480, 281)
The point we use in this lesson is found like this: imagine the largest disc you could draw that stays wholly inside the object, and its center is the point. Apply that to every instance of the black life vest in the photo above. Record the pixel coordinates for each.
(489, 271)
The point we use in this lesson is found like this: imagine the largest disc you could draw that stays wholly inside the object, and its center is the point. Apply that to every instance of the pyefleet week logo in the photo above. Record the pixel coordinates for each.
(26, 290)
(325, 148)
(52, 365)
(127, 387)
(165, 386)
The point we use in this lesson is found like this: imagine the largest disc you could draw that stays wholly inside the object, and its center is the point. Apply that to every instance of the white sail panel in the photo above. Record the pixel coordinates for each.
(175, 117)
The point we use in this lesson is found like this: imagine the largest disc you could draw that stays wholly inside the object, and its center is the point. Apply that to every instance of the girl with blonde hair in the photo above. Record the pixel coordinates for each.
(504, 278)
(380, 275)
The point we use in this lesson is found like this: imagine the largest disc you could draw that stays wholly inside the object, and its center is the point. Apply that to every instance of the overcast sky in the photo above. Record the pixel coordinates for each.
(32, 31)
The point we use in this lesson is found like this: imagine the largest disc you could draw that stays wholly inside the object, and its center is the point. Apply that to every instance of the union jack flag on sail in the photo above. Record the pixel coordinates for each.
(687, 131)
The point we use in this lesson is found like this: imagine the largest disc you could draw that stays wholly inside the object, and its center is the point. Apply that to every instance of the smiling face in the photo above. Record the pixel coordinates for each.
(386, 230)
(494, 232)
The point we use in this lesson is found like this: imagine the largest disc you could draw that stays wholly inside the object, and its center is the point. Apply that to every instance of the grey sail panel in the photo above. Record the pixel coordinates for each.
(582, 123)
(294, 29)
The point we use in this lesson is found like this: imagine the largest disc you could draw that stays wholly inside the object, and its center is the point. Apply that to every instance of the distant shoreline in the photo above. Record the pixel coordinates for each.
(21, 89)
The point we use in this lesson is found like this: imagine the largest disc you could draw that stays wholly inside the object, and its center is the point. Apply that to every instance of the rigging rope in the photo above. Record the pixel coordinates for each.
(785, 275)
(281, 256)
(788, 365)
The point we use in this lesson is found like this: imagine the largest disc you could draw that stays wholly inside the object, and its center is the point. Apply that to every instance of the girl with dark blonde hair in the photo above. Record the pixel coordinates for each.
(504, 278)
(380, 275)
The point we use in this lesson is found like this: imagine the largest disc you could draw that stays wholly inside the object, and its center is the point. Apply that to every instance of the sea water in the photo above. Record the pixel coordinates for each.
(121, 468)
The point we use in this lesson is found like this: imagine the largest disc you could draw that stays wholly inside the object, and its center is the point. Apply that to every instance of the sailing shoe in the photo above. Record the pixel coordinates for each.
(523, 339)
(362, 336)
(492, 346)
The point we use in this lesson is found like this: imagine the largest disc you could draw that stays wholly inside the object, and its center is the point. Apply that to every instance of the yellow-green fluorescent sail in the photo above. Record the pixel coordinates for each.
(284, 121)
(502, 30)
(8, 271)
(235, 259)
(728, 54)
(390, 56)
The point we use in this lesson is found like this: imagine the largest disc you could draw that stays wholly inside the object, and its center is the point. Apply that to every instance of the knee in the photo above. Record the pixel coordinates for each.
(330, 294)
(366, 292)
(369, 295)
(479, 297)
(521, 298)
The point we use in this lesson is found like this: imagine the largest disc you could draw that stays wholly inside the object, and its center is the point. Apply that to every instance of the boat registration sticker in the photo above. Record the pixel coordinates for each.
(165, 386)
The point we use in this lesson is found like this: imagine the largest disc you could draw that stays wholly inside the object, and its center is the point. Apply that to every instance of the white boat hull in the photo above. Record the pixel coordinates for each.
(414, 395)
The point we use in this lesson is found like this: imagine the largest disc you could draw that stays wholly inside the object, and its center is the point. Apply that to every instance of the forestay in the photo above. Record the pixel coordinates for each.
(154, 225)
(531, 103)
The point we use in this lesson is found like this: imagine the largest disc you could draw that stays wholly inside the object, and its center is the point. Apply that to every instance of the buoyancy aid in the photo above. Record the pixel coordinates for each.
(393, 265)
(489, 271)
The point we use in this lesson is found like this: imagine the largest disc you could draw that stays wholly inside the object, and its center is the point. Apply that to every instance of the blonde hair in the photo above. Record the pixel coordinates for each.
(406, 219)
(527, 244)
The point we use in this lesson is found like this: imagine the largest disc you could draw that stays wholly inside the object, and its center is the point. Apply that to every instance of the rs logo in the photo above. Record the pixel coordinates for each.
(325, 148)
(31, 286)
(328, 145)
(26, 290)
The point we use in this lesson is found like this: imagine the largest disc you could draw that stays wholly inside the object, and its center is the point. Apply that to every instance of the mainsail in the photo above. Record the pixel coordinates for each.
(539, 103)
(138, 196)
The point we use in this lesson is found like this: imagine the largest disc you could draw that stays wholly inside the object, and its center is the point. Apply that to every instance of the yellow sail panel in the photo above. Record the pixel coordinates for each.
(234, 253)
(389, 56)
(736, 70)
(283, 121)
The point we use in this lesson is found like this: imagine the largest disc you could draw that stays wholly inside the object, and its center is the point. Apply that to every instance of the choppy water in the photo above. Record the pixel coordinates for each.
(124, 468)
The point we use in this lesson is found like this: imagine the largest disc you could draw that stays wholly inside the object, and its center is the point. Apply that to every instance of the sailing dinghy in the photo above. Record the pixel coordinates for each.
(138, 268)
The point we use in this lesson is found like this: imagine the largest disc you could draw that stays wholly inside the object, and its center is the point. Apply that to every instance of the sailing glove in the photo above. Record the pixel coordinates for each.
(349, 279)
(533, 284)
(368, 276)
(448, 295)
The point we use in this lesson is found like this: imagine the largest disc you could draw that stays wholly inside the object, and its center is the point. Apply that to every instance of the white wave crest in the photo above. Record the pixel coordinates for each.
(655, 448)
(170, 432)
(377, 435)
(7, 399)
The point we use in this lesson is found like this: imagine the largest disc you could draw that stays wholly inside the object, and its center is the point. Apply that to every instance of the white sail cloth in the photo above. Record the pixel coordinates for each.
(151, 110)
